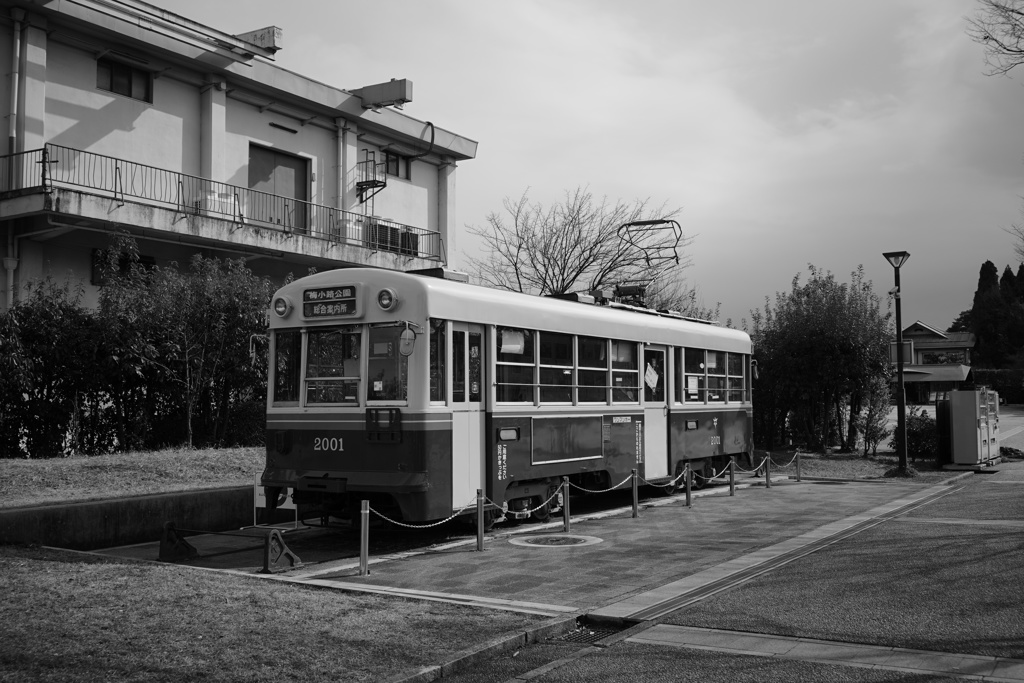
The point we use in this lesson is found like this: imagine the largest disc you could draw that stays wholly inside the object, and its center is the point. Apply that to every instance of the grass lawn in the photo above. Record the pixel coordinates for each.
(75, 617)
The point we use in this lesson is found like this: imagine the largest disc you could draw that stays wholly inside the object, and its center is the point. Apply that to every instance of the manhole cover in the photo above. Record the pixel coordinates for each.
(554, 541)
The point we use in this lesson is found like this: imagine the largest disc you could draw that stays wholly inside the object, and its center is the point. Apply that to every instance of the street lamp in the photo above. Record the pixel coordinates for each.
(897, 259)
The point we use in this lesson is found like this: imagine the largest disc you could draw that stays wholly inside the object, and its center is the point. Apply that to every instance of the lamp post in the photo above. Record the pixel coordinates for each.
(897, 259)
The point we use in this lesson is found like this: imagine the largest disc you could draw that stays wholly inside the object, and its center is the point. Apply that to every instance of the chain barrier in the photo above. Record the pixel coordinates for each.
(670, 484)
(714, 475)
(455, 514)
(779, 467)
(740, 469)
(628, 477)
(539, 507)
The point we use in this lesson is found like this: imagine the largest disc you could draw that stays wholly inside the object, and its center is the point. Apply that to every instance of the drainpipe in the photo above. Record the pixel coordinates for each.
(11, 260)
(10, 263)
(17, 15)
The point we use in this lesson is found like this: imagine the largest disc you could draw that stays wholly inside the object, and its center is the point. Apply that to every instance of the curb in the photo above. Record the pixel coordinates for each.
(463, 659)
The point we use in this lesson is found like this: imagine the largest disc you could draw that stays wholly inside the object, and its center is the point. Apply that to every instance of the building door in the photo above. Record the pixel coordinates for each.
(468, 414)
(655, 379)
(282, 188)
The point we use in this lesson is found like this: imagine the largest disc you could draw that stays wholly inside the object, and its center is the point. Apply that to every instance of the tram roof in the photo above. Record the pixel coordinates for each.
(426, 297)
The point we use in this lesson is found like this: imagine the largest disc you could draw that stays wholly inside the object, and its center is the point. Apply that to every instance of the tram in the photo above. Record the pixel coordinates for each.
(415, 391)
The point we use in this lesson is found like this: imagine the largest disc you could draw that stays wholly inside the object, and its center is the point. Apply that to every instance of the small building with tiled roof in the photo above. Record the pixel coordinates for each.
(936, 361)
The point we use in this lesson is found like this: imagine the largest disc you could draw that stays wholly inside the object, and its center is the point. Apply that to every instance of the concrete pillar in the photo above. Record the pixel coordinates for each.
(446, 211)
(32, 86)
(212, 129)
(348, 172)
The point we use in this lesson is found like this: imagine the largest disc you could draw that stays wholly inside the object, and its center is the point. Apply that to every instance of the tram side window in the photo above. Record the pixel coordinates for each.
(332, 365)
(693, 378)
(387, 369)
(625, 373)
(438, 351)
(592, 354)
(555, 367)
(737, 386)
(458, 366)
(515, 366)
(716, 376)
(287, 359)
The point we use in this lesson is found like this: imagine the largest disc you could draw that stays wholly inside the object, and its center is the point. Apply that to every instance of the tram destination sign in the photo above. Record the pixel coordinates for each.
(329, 302)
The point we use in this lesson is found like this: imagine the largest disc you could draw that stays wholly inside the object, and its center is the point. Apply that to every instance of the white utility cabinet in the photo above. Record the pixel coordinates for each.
(974, 426)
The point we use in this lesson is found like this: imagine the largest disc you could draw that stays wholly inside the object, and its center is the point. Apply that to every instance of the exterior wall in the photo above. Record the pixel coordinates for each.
(247, 125)
(80, 115)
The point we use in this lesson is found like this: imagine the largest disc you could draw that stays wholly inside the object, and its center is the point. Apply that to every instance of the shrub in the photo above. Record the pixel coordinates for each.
(922, 435)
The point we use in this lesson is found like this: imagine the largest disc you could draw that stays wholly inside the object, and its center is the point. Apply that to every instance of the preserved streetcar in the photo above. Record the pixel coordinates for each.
(413, 392)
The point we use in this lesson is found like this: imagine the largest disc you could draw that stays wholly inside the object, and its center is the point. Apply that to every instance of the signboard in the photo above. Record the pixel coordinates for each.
(908, 352)
(329, 302)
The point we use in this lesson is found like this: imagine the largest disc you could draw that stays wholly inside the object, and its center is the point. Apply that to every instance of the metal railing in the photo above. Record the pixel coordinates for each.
(58, 166)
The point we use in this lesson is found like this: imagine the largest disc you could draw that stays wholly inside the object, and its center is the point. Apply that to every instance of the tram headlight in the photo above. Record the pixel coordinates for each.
(282, 306)
(387, 299)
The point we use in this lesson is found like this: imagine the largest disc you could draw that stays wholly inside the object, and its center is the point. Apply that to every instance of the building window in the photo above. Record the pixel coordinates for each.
(944, 357)
(124, 80)
(397, 166)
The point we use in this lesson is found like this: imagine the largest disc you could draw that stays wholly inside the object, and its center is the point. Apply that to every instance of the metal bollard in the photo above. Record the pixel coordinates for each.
(479, 520)
(687, 476)
(798, 465)
(636, 500)
(565, 503)
(732, 475)
(364, 539)
(768, 471)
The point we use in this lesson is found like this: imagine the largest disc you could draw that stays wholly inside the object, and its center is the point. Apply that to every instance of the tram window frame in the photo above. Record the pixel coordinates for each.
(737, 386)
(625, 366)
(694, 368)
(382, 353)
(514, 365)
(716, 375)
(330, 383)
(590, 368)
(438, 364)
(555, 360)
(287, 382)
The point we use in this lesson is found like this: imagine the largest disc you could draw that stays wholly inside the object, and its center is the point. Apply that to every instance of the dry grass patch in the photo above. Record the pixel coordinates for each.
(852, 466)
(75, 617)
(60, 480)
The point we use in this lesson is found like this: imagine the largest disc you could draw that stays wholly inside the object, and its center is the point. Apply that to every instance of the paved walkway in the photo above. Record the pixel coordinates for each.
(848, 654)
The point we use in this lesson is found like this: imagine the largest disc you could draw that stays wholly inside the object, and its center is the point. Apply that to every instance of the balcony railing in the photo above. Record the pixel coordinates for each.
(57, 166)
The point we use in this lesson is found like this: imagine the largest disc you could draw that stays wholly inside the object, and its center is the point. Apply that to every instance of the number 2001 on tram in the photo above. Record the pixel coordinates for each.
(413, 392)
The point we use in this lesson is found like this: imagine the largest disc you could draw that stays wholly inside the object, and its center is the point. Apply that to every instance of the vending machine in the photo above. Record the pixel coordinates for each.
(973, 426)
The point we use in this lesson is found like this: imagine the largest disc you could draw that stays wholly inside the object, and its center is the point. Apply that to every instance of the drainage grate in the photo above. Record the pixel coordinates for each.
(585, 635)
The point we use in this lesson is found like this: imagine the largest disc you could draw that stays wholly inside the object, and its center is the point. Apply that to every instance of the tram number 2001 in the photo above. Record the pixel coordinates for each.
(323, 443)
(716, 441)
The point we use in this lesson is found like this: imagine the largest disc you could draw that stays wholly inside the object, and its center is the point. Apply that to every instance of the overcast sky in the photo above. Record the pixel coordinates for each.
(789, 133)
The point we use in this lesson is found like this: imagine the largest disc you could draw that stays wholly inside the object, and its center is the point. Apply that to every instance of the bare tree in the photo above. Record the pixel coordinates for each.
(577, 244)
(999, 26)
(1018, 234)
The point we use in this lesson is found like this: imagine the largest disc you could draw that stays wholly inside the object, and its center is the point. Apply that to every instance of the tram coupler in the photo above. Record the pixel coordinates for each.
(276, 555)
(174, 548)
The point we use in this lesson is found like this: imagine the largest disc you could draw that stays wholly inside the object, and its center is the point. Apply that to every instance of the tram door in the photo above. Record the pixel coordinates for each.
(654, 379)
(467, 412)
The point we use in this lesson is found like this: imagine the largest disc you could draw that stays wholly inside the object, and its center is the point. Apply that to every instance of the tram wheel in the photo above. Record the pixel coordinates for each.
(705, 469)
(542, 514)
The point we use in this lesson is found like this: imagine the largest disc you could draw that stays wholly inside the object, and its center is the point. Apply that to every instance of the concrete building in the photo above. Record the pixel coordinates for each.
(126, 117)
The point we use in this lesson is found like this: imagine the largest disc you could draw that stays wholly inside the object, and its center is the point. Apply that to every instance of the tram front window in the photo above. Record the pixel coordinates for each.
(387, 369)
(332, 366)
(287, 360)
